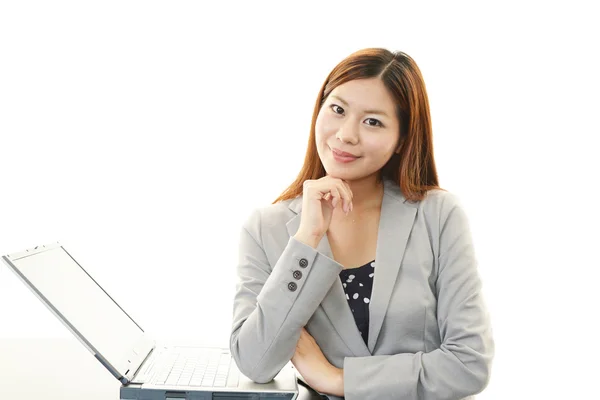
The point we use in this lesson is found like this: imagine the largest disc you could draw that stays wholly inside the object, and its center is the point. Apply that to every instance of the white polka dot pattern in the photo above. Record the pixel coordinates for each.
(358, 284)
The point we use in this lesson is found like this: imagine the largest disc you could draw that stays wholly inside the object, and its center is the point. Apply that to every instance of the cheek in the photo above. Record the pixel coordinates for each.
(324, 126)
(378, 145)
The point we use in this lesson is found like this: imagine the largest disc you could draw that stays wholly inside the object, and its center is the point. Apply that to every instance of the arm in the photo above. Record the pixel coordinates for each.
(461, 365)
(267, 315)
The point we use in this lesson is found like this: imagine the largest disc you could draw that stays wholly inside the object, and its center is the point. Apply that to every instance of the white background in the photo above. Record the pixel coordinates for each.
(141, 134)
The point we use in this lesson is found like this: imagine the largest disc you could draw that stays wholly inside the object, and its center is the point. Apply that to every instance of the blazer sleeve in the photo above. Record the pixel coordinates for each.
(461, 366)
(268, 311)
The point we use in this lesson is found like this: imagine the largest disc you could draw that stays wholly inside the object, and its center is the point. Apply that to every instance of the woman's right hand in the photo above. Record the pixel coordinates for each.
(320, 198)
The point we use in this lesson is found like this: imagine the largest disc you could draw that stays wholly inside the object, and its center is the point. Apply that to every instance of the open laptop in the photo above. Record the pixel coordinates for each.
(146, 370)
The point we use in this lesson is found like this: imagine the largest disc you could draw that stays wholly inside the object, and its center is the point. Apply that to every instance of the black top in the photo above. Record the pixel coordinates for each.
(358, 284)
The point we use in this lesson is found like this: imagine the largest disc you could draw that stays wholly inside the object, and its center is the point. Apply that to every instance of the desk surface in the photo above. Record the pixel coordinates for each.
(59, 368)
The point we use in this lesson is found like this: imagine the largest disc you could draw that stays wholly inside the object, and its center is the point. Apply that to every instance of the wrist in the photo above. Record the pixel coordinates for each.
(338, 379)
(308, 239)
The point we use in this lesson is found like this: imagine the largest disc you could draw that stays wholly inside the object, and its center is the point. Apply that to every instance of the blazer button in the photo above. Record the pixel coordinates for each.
(297, 274)
(292, 286)
(303, 263)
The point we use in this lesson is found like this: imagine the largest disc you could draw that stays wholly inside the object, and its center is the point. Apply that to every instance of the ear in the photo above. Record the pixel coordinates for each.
(399, 146)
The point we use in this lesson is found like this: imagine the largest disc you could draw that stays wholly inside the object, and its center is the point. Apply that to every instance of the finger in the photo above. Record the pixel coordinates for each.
(351, 195)
(328, 196)
(349, 189)
(314, 190)
(337, 197)
(346, 194)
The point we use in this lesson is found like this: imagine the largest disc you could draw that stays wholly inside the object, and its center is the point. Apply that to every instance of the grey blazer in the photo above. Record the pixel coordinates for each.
(430, 335)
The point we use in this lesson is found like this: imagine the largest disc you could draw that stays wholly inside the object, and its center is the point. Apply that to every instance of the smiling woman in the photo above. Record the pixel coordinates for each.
(363, 272)
(374, 106)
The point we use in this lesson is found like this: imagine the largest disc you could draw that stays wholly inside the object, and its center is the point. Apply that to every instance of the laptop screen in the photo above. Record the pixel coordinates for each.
(81, 301)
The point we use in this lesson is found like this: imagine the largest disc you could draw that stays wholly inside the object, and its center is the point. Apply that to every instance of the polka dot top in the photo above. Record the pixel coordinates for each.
(358, 284)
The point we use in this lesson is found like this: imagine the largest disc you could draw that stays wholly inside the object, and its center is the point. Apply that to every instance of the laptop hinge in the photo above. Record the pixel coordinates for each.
(138, 355)
(109, 367)
(143, 378)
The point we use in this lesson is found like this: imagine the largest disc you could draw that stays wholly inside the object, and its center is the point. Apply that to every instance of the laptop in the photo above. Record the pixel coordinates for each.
(146, 369)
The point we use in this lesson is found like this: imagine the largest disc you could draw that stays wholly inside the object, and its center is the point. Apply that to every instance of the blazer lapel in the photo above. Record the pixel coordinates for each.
(395, 224)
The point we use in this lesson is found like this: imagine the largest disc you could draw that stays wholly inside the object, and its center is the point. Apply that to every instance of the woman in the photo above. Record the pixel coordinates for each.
(363, 272)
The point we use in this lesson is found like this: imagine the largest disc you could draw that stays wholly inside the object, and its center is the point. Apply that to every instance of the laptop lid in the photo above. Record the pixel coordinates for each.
(83, 306)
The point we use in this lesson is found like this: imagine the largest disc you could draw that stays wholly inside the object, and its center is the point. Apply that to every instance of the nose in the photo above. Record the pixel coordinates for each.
(347, 132)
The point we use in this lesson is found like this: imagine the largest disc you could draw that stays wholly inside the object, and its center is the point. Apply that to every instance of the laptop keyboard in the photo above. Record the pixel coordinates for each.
(197, 367)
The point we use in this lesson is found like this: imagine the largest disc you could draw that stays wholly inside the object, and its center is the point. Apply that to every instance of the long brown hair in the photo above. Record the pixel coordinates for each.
(413, 169)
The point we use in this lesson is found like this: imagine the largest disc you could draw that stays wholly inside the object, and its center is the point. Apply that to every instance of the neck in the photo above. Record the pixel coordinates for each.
(367, 192)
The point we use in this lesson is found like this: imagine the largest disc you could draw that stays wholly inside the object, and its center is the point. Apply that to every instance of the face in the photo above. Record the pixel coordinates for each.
(358, 117)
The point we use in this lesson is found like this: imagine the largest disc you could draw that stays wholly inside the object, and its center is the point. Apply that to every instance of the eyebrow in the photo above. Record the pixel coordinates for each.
(366, 111)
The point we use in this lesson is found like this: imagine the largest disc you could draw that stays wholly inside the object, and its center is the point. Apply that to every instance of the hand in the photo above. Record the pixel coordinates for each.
(314, 367)
(319, 198)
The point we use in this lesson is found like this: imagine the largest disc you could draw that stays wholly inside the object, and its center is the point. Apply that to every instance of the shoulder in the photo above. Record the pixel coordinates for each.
(445, 211)
(441, 197)
(436, 202)
(266, 217)
(440, 204)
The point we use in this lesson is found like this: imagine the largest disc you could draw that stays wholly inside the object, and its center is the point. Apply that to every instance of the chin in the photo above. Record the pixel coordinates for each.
(341, 173)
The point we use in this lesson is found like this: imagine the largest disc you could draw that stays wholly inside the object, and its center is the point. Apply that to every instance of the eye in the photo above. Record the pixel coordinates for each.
(335, 105)
(377, 122)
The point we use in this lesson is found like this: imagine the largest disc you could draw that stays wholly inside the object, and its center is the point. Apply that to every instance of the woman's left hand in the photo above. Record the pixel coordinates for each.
(310, 361)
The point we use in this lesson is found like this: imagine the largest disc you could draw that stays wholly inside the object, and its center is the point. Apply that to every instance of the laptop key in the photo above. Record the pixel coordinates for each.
(197, 369)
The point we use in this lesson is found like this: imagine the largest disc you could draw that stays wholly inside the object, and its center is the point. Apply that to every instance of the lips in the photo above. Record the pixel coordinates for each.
(343, 153)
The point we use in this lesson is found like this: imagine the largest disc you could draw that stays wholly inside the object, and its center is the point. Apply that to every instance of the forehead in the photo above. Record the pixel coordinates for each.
(365, 94)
